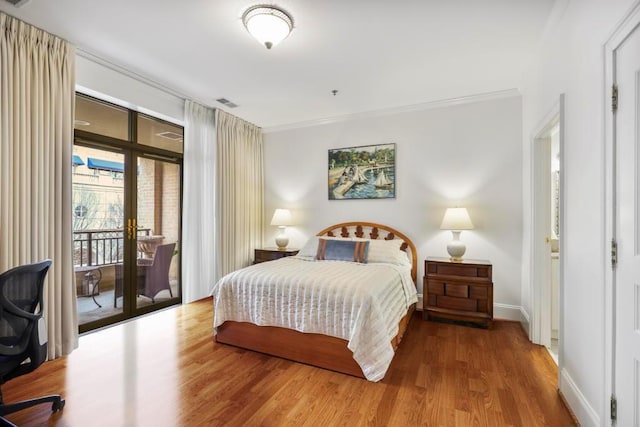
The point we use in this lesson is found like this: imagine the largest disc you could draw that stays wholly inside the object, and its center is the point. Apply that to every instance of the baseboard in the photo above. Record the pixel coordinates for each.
(419, 306)
(524, 321)
(506, 311)
(576, 401)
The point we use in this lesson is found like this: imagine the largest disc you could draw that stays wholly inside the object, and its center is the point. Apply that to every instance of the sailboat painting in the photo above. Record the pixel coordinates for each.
(366, 172)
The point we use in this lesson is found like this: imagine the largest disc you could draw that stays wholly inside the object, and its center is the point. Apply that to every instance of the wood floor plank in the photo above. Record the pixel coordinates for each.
(167, 370)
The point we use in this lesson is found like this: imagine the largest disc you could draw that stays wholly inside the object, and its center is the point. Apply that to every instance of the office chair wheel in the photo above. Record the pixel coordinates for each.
(57, 406)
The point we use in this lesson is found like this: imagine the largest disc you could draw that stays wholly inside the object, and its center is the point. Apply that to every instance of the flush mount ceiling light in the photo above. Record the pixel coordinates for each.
(268, 24)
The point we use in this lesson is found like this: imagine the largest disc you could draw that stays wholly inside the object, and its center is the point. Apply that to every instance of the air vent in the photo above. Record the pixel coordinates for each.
(226, 102)
(170, 135)
(17, 3)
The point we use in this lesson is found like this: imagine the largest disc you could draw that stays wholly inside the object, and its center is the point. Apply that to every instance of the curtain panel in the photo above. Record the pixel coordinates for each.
(37, 84)
(199, 245)
(240, 191)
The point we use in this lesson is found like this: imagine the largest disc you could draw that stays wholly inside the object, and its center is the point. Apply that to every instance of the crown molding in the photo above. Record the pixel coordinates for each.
(507, 93)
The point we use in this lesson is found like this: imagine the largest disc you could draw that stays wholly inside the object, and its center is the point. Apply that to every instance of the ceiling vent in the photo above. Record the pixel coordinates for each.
(170, 135)
(226, 102)
(17, 3)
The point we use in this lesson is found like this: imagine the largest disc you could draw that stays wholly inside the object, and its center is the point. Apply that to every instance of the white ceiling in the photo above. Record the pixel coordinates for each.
(379, 54)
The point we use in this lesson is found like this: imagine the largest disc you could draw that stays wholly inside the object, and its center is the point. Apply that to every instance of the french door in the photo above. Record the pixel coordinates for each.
(127, 206)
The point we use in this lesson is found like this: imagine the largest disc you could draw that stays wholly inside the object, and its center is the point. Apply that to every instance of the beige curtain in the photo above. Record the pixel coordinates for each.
(37, 83)
(240, 191)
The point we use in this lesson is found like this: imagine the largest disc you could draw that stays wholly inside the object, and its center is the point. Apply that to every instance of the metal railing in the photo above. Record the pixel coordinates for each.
(100, 247)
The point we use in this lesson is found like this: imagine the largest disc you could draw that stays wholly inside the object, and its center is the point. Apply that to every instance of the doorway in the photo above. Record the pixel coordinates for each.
(127, 186)
(547, 225)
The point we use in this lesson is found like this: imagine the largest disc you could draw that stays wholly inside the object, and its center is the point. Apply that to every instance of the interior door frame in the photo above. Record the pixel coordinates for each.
(540, 289)
(626, 26)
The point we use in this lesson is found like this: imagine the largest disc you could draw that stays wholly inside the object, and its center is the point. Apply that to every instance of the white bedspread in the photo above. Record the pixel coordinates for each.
(360, 303)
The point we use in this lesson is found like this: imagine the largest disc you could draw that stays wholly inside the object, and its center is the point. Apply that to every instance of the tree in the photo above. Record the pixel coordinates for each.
(85, 208)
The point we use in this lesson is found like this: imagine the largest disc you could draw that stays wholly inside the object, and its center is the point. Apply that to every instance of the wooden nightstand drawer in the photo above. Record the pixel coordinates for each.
(459, 269)
(453, 303)
(478, 292)
(435, 288)
(458, 290)
(270, 254)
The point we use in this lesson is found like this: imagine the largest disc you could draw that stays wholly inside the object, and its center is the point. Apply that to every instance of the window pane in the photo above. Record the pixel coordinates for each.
(160, 134)
(101, 118)
(98, 232)
(158, 231)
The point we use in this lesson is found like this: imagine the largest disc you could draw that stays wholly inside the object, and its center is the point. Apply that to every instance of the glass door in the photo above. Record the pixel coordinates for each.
(158, 232)
(127, 184)
(98, 232)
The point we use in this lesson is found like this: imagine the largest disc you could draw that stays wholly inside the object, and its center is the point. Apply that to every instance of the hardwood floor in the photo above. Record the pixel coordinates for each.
(166, 370)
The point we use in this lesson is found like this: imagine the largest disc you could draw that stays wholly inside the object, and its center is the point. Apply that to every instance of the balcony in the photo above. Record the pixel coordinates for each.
(96, 254)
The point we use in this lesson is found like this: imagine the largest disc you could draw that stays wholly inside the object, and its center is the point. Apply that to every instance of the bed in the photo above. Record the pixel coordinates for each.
(344, 316)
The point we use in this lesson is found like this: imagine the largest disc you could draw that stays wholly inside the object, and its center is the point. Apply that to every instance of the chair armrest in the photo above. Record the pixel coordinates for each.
(17, 311)
(14, 350)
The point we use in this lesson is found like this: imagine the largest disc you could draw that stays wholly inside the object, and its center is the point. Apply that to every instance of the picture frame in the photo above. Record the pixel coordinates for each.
(363, 172)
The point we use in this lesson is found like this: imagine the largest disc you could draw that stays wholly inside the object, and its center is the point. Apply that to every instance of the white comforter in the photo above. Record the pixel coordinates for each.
(360, 303)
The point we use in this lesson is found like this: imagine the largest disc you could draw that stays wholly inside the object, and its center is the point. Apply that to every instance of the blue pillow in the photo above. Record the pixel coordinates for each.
(343, 250)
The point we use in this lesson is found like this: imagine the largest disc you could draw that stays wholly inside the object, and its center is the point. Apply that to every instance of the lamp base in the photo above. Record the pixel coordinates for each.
(282, 240)
(456, 248)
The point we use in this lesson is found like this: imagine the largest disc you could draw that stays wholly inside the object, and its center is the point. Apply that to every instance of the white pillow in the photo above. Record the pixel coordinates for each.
(387, 251)
(310, 249)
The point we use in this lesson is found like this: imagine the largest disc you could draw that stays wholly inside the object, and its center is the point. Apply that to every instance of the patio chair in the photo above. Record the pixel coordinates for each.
(153, 274)
(23, 335)
(156, 276)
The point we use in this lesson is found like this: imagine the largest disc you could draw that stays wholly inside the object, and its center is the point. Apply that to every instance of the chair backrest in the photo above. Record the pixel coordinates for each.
(157, 275)
(21, 297)
(162, 259)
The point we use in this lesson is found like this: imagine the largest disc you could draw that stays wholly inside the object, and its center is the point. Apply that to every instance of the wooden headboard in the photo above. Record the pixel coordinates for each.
(370, 230)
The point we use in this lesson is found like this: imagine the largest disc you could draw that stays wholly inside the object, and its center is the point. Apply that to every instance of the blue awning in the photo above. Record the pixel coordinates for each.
(77, 161)
(105, 165)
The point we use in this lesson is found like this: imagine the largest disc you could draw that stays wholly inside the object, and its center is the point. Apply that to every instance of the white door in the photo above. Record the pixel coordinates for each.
(627, 225)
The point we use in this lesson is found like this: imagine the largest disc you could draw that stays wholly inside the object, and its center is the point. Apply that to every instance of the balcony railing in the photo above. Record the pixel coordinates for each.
(100, 247)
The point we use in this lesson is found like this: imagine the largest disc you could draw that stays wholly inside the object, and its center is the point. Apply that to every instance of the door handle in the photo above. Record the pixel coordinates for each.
(132, 229)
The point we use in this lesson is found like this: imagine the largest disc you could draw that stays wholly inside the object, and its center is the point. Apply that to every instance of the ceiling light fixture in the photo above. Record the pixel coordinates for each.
(268, 24)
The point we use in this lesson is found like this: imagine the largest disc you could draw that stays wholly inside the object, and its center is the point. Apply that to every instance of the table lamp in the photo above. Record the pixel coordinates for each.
(456, 220)
(281, 218)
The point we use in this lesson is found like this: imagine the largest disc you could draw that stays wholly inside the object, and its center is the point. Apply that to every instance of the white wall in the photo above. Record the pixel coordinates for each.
(468, 155)
(571, 61)
(97, 79)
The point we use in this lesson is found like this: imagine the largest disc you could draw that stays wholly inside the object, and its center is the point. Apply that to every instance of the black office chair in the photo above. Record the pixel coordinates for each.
(23, 336)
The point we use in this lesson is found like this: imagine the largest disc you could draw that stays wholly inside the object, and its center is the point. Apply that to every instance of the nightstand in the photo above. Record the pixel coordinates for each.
(269, 254)
(458, 290)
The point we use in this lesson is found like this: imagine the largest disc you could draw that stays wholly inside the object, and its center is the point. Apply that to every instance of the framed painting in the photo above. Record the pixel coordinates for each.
(366, 172)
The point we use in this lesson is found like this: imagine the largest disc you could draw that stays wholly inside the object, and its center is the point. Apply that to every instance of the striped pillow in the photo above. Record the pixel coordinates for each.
(343, 250)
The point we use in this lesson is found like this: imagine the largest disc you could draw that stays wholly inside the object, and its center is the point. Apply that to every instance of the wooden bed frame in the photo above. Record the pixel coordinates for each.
(317, 349)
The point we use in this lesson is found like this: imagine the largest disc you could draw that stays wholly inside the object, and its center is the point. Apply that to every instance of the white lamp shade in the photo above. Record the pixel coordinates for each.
(281, 217)
(456, 219)
(267, 24)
